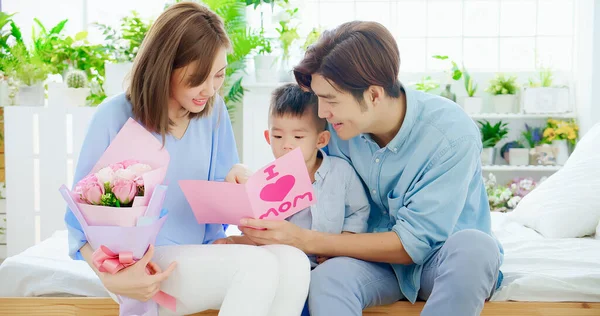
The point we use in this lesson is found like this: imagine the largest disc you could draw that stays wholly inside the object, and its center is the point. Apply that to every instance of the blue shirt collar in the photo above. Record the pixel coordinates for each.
(324, 167)
(407, 125)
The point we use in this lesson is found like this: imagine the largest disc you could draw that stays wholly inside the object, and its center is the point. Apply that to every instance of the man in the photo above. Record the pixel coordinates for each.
(419, 157)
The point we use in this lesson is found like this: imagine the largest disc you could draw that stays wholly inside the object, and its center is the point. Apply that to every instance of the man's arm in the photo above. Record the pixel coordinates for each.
(376, 247)
(425, 217)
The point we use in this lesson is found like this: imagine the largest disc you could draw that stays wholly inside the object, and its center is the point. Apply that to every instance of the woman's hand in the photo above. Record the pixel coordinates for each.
(239, 173)
(134, 282)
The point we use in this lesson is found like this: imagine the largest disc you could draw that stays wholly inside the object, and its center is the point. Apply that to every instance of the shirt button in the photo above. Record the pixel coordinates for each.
(395, 149)
(374, 191)
(377, 160)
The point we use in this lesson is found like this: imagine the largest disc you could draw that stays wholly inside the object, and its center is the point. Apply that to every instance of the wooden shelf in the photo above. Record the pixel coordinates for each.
(507, 168)
(522, 116)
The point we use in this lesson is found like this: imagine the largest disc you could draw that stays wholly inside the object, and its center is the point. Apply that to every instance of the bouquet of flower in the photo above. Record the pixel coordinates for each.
(116, 185)
(558, 130)
(506, 198)
(119, 206)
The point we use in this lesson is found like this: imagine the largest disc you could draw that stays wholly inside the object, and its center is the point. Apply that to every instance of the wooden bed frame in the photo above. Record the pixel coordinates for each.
(58, 306)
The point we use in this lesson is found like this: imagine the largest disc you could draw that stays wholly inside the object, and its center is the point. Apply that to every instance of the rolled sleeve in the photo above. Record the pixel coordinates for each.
(429, 211)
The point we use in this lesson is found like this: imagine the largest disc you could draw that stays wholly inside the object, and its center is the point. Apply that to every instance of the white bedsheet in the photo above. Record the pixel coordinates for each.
(543, 269)
(535, 268)
(47, 270)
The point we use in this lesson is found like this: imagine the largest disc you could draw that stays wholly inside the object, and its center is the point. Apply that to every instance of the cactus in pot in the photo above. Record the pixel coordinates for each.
(76, 78)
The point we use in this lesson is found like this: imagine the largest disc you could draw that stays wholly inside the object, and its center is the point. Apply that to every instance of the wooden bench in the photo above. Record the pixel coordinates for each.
(47, 306)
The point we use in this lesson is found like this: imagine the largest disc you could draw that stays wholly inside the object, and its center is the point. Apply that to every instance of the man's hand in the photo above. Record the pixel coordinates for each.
(239, 173)
(265, 232)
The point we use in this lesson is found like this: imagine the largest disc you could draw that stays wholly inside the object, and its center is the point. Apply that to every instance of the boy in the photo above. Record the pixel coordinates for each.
(342, 205)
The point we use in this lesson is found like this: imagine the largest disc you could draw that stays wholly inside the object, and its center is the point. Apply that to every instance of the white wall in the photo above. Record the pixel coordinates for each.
(595, 99)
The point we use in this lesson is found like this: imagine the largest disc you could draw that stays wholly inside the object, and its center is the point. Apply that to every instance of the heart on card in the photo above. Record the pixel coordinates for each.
(276, 192)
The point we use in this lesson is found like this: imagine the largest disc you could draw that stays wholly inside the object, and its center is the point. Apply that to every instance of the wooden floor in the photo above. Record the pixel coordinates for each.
(107, 307)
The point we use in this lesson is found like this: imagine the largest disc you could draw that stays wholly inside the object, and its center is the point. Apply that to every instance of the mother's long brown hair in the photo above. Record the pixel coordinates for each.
(185, 34)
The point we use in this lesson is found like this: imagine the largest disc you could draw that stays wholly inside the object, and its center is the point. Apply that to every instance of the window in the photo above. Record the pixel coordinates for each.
(487, 35)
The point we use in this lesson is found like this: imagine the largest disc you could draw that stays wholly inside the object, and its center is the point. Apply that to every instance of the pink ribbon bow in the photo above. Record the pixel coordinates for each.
(107, 261)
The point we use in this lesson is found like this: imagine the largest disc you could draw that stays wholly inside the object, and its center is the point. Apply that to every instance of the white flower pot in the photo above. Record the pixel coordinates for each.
(546, 100)
(472, 105)
(504, 103)
(61, 95)
(4, 99)
(31, 95)
(562, 151)
(488, 156)
(116, 78)
(265, 67)
(518, 156)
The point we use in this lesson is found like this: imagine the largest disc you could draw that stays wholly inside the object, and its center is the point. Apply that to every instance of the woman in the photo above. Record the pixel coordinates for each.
(173, 93)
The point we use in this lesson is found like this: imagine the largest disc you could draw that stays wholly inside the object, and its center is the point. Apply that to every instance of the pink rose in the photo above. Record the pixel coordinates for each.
(124, 190)
(128, 163)
(117, 166)
(91, 190)
(89, 178)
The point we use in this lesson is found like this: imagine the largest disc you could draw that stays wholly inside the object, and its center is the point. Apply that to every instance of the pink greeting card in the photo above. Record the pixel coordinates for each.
(275, 192)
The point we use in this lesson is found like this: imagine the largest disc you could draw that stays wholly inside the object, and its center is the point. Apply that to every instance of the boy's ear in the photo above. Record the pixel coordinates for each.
(267, 137)
(323, 139)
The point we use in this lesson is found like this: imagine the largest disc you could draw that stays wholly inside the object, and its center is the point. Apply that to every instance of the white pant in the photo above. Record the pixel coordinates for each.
(236, 279)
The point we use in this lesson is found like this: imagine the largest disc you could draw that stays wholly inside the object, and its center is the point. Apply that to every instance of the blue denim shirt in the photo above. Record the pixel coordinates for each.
(426, 184)
(341, 201)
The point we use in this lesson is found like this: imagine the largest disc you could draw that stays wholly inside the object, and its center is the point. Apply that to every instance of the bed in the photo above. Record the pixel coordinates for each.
(542, 277)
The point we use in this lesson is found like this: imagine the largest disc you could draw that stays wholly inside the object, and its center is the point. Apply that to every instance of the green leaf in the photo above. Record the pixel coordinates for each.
(41, 26)
(81, 36)
(440, 57)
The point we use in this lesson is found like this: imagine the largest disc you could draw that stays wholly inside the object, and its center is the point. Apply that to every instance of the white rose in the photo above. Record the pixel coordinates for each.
(105, 175)
(139, 169)
(125, 174)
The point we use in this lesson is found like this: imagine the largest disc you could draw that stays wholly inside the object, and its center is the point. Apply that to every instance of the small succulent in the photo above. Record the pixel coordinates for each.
(76, 78)
(502, 84)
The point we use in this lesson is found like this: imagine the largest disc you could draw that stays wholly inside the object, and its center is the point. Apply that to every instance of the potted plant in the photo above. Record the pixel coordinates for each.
(515, 153)
(533, 137)
(562, 135)
(124, 45)
(264, 61)
(73, 92)
(288, 34)
(490, 136)
(542, 97)
(503, 90)
(29, 72)
(426, 84)
(471, 103)
(453, 74)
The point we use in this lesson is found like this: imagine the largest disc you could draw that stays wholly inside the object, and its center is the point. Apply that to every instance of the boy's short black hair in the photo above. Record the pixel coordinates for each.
(290, 99)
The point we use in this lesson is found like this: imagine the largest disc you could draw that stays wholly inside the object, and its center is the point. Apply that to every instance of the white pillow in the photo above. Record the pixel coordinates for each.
(567, 204)
(598, 231)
